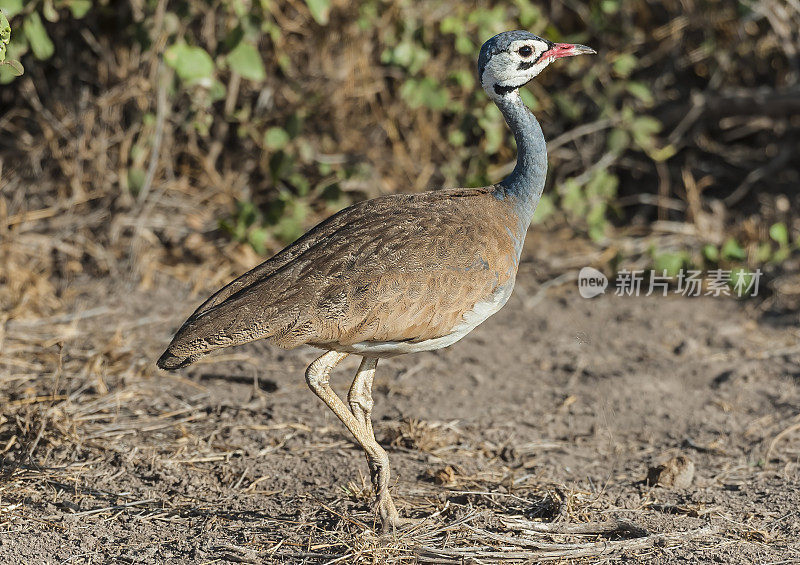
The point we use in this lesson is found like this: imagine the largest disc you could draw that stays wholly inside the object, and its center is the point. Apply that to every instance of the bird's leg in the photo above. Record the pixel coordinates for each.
(317, 377)
(360, 395)
(360, 400)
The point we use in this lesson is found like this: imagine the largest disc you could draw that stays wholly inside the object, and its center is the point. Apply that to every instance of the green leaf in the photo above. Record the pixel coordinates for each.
(276, 138)
(567, 106)
(764, 252)
(602, 186)
(641, 91)
(246, 61)
(291, 225)
(11, 67)
(464, 78)
(779, 234)
(37, 36)
(49, 11)
(618, 140)
(5, 36)
(79, 8)
(644, 129)
(457, 138)
(781, 255)
(672, 263)
(573, 199)
(424, 92)
(609, 6)
(191, 63)
(15, 67)
(7, 74)
(663, 153)
(407, 54)
(216, 91)
(597, 221)
(544, 209)
(11, 7)
(136, 178)
(529, 99)
(451, 24)
(732, 250)
(464, 45)
(529, 14)
(624, 65)
(246, 213)
(494, 129)
(257, 238)
(711, 253)
(320, 10)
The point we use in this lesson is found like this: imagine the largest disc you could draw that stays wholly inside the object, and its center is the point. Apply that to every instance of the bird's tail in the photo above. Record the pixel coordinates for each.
(172, 362)
(196, 338)
(223, 325)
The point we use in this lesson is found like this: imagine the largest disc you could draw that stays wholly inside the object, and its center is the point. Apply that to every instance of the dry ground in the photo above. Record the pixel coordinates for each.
(545, 418)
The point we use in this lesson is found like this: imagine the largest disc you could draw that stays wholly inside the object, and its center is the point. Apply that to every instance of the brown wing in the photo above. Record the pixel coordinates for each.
(396, 268)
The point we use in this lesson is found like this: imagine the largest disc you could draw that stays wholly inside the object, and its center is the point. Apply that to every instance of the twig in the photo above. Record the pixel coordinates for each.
(542, 292)
(756, 175)
(115, 507)
(586, 528)
(161, 111)
(787, 431)
(580, 131)
(570, 551)
(61, 319)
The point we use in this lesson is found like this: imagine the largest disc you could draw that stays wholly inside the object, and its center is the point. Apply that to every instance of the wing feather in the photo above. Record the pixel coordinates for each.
(396, 268)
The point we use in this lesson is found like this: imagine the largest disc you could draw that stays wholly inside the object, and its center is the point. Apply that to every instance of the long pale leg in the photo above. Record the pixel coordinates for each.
(360, 395)
(317, 377)
(360, 400)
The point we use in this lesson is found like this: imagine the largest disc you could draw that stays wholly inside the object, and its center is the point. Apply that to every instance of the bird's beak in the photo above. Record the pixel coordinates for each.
(559, 50)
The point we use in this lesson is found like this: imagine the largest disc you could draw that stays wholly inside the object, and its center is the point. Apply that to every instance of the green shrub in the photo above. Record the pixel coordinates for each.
(310, 105)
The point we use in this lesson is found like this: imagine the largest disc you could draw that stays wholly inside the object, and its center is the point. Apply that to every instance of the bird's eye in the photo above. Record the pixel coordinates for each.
(525, 51)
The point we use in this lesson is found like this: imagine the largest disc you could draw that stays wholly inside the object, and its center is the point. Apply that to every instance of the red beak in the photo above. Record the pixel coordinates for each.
(559, 50)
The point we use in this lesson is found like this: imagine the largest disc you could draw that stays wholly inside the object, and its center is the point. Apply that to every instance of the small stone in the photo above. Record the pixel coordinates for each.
(678, 472)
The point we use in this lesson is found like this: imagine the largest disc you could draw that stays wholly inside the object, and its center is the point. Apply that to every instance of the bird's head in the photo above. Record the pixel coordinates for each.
(510, 59)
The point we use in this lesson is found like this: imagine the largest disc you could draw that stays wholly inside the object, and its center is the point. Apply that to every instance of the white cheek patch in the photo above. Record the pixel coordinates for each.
(500, 69)
(539, 67)
(504, 68)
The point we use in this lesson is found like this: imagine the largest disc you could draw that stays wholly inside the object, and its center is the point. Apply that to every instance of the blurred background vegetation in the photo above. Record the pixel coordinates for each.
(150, 137)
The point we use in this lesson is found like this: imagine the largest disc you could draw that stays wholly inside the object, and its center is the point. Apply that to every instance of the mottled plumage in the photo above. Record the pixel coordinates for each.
(396, 274)
(401, 268)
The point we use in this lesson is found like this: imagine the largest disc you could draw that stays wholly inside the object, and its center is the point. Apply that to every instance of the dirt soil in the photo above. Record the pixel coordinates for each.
(551, 412)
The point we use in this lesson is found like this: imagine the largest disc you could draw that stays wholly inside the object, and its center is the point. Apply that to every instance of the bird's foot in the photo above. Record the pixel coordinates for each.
(390, 518)
(391, 521)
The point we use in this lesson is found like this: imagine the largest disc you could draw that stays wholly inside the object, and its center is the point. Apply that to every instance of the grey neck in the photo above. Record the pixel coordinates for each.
(526, 182)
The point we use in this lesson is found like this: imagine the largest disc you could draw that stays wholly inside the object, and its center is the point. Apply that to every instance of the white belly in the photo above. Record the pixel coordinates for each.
(471, 320)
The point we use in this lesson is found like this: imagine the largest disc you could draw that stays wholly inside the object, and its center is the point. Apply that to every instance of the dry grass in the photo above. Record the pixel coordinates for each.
(78, 388)
(68, 410)
(73, 394)
(491, 518)
(76, 349)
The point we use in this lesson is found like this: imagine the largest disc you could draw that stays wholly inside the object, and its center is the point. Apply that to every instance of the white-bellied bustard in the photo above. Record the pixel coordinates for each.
(397, 274)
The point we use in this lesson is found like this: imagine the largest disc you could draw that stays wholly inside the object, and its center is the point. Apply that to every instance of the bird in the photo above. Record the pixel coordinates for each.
(397, 274)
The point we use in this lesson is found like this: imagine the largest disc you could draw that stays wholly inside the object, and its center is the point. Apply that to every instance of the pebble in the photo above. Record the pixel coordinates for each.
(678, 472)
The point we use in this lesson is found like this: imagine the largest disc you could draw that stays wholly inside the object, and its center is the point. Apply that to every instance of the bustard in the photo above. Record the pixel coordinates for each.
(396, 274)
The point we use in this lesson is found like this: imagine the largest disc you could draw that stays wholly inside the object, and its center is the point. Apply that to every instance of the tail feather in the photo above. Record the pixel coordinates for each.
(240, 319)
(172, 362)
